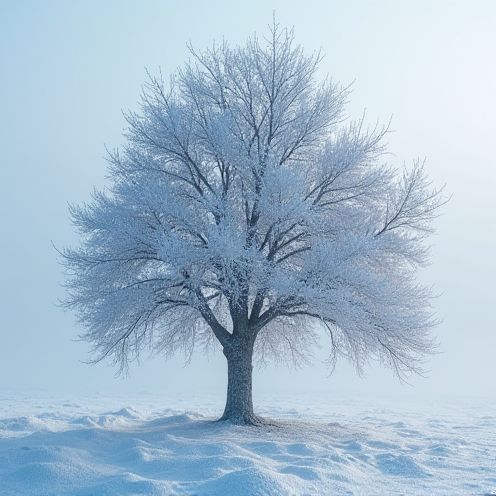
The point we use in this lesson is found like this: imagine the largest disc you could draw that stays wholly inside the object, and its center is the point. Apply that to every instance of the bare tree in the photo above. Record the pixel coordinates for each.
(244, 210)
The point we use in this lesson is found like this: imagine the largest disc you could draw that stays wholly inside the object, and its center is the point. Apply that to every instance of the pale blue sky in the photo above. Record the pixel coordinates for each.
(69, 68)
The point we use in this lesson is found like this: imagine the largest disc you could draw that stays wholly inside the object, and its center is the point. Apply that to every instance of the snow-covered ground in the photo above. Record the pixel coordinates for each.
(96, 446)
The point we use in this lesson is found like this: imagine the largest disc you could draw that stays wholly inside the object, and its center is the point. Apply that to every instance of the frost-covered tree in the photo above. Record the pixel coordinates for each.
(244, 210)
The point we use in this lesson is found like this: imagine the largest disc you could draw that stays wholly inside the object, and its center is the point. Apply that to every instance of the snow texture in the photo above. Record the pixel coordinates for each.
(345, 447)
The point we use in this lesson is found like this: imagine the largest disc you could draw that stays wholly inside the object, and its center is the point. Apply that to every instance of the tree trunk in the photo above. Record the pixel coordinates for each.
(239, 403)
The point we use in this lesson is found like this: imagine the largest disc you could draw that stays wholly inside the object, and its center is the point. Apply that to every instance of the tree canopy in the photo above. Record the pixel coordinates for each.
(245, 204)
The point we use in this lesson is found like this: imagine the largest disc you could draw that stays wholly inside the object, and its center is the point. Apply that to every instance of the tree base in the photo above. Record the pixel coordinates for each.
(248, 419)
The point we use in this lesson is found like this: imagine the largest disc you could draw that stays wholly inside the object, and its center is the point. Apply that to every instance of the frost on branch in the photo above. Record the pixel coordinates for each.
(242, 206)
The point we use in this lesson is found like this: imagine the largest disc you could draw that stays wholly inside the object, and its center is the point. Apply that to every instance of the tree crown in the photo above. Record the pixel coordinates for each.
(244, 206)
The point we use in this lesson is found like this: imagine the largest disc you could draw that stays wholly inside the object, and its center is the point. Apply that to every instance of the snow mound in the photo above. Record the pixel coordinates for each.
(143, 451)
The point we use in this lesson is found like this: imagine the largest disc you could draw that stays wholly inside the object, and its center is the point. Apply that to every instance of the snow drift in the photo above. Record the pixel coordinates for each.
(351, 448)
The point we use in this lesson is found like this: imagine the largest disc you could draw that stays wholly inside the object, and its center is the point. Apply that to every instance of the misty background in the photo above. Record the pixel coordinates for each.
(68, 69)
